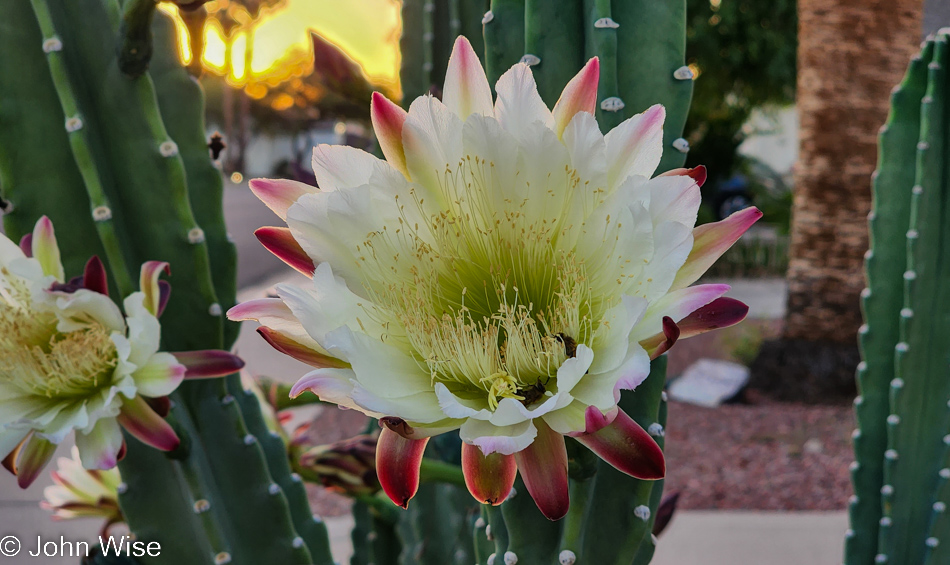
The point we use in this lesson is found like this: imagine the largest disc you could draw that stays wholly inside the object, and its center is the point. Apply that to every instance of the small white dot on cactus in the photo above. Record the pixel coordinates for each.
(455, 23)
(856, 434)
(923, 146)
(295, 478)
(491, 559)
(489, 16)
(642, 512)
(428, 36)
(863, 329)
(429, 7)
(887, 490)
(940, 507)
(566, 557)
(849, 533)
(73, 124)
(656, 430)
(664, 397)
(886, 522)
(227, 399)
(891, 454)
(910, 275)
(101, 213)
(480, 523)
(858, 400)
(274, 434)
(510, 558)
(488, 535)
(297, 543)
(52, 44)
(902, 347)
(880, 558)
(869, 253)
(427, 66)
(222, 558)
(944, 473)
(201, 505)
(946, 439)
(935, 65)
(854, 466)
(866, 293)
(274, 489)
(681, 145)
(612, 104)
(229, 237)
(196, 235)
(862, 366)
(918, 190)
(530, 60)
(214, 309)
(318, 518)
(372, 536)
(912, 234)
(122, 488)
(683, 73)
(606, 23)
(512, 494)
(249, 439)
(653, 539)
(932, 542)
(168, 148)
(853, 499)
(893, 419)
(897, 383)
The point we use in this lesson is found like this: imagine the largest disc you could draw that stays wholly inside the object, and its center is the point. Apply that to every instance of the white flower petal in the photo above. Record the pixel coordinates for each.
(340, 166)
(506, 440)
(568, 419)
(384, 370)
(635, 146)
(99, 449)
(573, 370)
(612, 338)
(603, 390)
(159, 376)
(78, 309)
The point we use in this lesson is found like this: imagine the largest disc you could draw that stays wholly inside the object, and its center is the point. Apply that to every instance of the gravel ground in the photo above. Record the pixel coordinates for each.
(768, 456)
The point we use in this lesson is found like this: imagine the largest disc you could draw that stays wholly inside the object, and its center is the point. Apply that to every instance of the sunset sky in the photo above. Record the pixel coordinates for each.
(367, 29)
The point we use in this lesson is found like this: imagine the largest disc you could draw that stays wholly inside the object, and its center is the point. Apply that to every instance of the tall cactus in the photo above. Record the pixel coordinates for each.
(901, 445)
(119, 162)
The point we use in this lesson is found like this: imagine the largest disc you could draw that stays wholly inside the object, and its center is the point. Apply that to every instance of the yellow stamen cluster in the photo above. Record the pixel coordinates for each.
(477, 288)
(38, 360)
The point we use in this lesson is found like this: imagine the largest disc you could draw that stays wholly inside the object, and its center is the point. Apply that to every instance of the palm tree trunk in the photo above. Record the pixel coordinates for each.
(850, 54)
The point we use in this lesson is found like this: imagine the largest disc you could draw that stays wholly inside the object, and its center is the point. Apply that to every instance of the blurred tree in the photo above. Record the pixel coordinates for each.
(851, 54)
(743, 53)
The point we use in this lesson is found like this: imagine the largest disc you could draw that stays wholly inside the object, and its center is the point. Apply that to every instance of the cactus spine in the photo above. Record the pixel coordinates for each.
(901, 445)
(80, 130)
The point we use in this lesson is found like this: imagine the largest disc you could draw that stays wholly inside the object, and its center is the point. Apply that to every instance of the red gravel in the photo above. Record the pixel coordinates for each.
(760, 457)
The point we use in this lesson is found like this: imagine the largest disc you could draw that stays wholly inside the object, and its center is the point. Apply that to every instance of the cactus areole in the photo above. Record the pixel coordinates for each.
(505, 271)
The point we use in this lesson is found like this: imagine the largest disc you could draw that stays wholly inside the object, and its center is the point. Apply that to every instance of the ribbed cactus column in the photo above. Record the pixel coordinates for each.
(901, 445)
(120, 163)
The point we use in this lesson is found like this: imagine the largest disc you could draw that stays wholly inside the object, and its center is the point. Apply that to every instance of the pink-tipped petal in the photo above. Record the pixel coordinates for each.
(159, 376)
(671, 333)
(138, 418)
(628, 448)
(101, 447)
(26, 244)
(397, 463)
(45, 248)
(677, 305)
(298, 351)
(580, 95)
(279, 194)
(34, 456)
(148, 283)
(94, 276)
(488, 477)
(164, 293)
(209, 363)
(281, 243)
(697, 173)
(635, 146)
(595, 420)
(17, 441)
(388, 119)
(720, 313)
(710, 241)
(466, 87)
(543, 468)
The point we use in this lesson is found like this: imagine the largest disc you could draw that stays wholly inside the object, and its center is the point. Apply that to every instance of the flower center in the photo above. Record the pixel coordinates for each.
(479, 291)
(37, 359)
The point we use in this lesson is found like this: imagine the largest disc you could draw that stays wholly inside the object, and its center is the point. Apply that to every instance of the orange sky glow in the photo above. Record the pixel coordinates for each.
(367, 30)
